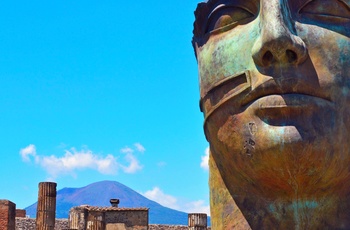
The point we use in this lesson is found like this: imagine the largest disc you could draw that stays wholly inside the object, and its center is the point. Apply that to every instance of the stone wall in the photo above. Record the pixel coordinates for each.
(89, 217)
(29, 224)
(25, 223)
(61, 224)
(7, 215)
(133, 219)
(167, 227)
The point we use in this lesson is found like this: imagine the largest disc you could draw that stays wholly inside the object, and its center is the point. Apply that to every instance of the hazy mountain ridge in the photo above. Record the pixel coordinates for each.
(99, 194)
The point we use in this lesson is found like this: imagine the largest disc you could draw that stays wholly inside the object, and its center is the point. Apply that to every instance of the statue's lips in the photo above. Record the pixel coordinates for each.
(239, 93)
(289, 105)
(288, 100)
(269, 95)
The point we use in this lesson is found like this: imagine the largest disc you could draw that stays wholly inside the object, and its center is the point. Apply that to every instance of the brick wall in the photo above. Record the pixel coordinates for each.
(21, 213)
(7, 215)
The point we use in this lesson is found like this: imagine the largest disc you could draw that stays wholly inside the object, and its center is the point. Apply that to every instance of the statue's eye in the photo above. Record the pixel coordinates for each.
(226, 17)
(326, 10)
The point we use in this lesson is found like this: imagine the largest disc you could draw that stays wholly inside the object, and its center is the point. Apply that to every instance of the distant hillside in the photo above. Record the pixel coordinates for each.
(99, 194)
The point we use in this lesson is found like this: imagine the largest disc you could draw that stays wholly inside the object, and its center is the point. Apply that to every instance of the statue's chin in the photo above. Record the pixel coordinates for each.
(280, 161)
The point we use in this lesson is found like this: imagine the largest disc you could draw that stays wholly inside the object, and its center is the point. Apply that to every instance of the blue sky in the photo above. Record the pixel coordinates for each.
(101, 90)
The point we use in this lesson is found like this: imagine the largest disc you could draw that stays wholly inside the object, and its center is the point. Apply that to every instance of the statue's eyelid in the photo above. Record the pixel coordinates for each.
(227, 6)
(303, 5)
(346, 2)
(212, 14)
(215, 10)
(222, 6)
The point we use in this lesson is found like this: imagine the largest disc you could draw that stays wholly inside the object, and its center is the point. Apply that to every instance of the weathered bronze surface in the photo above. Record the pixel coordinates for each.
(275, 93)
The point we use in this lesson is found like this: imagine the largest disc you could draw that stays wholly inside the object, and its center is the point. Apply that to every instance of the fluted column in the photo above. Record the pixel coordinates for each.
(197, 221)
(46, 209)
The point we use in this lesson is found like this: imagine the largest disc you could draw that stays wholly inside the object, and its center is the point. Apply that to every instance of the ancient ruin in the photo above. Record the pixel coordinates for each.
(108, 218)
(275, 93)
(21, 213)
(46, 209)
(85, 217)
(197, 221)
(7, 215)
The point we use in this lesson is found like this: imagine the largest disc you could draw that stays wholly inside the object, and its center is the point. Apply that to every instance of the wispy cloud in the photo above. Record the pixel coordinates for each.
(205, 159)
(134, 164)
(157, 195)
(139, 147)
(198, 206)
(127, 150)
(75, 160)
(78, 160)
(28, 151)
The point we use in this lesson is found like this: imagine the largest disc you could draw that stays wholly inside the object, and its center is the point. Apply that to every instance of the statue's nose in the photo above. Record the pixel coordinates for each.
(277, 44)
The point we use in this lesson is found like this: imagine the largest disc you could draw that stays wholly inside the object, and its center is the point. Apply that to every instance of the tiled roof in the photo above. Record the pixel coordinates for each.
(106, 209)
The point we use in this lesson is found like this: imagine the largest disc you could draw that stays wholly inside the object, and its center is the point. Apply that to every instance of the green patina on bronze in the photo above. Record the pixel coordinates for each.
(275, 93)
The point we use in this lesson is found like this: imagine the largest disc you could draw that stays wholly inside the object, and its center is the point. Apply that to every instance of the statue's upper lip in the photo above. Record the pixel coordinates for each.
(270, 87)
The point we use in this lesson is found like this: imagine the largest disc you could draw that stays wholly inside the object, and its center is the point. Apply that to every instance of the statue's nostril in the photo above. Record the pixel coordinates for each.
(267, 58)
(291, 56)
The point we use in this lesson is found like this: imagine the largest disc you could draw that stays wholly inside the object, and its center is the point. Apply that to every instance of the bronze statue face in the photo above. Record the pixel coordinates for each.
(275, 93)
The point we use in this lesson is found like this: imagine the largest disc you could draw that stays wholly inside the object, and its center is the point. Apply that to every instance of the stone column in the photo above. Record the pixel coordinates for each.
(197, 221)
(46, 209)
(78, 217)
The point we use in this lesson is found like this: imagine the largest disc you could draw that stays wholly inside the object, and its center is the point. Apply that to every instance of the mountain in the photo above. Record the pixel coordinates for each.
(99, 194)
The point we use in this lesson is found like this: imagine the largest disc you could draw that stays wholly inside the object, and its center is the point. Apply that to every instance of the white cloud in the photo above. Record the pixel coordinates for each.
(127, 150)
(108, 165)
(28, 151)
(205, 160)
(198, 206)
(134, 164)
(78, 160)
(74, 160)
(157, 195)
(139, 147)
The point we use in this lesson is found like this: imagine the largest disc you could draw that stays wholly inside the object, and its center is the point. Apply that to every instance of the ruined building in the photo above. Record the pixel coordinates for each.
(108, 218)
(85, 217)
(7, 215)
